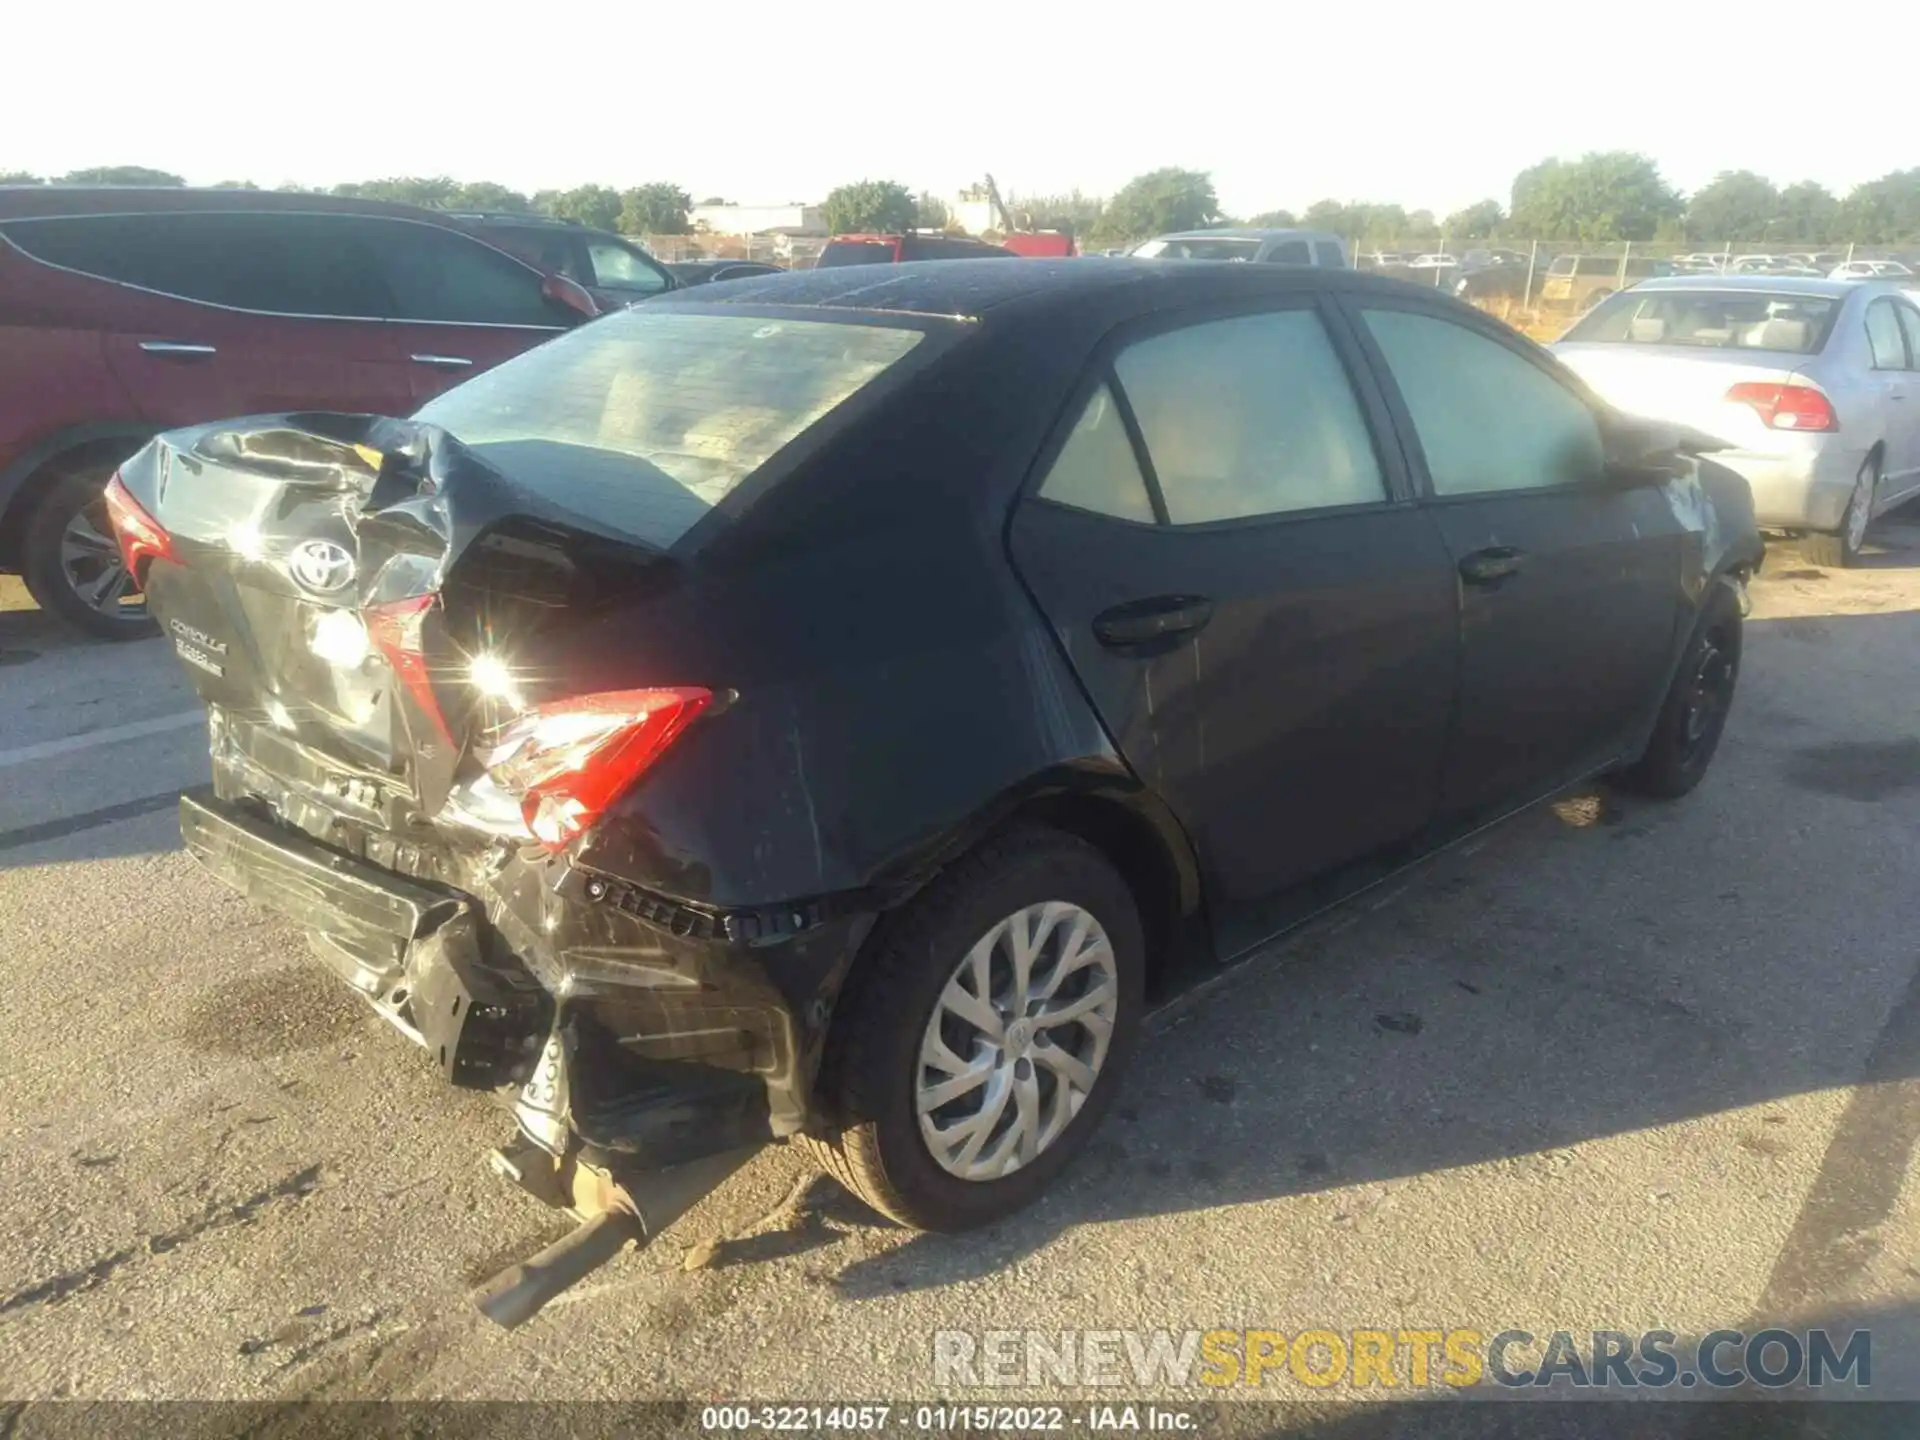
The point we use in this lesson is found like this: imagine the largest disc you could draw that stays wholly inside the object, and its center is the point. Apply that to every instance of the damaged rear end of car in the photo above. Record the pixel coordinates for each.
(442, 658)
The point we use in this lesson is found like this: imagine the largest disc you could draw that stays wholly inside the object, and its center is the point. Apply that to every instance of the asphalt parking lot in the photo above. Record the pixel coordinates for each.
(1616, 1064)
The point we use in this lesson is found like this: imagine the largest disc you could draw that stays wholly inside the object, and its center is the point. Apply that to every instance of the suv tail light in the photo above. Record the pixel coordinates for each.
(142, 538)
(397, 629)
(568, 761)
(1786, 407)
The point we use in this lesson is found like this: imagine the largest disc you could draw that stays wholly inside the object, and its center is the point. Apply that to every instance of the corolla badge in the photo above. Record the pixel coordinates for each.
(321, 565)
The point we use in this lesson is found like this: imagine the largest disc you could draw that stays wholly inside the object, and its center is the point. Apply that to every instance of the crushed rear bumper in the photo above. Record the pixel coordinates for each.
(615, 1029)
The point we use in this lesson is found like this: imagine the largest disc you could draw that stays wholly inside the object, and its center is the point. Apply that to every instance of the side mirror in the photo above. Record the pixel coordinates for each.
(570, 293)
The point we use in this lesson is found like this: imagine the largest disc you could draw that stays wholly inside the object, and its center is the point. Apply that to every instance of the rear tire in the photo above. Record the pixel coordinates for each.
(71, 561)
(876, 1079)
(1694, 714)
(1841, 551)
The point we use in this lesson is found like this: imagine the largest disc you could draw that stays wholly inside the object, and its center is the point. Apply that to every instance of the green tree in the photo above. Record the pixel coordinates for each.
(1159, 202)
(1734, 205)
(1274, 220)
(488, 195)
(433, 191)
(235, 185)
(870, 207)
(20, 177)
(119, 175)
(1808, 213)
(930, 212)
(658, 208)
(1478, 221)
(1360, 221)
(1602, 196)
(1884, 211)
(594, 205)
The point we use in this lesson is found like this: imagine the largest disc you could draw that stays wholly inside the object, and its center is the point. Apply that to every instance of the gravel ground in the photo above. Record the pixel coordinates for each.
(1614, 1064)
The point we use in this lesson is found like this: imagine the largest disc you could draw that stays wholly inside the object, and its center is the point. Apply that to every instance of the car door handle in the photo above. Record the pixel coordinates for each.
(176, 347)
(1141, 622)
(1492, 566)
(445, 362)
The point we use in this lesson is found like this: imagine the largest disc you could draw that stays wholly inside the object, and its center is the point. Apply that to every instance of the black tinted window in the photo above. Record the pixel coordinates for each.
(549, 247)
(436, 274)
(856, 252)
(1327, 253)
(1290, 252)
(1249, 416)
(1488, 419)
(290, 264)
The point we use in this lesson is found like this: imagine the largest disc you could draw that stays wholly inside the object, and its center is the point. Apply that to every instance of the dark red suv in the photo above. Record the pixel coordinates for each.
(127, 312)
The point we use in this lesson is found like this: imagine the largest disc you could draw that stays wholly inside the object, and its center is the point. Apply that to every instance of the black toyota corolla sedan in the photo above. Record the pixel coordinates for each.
(834, 705)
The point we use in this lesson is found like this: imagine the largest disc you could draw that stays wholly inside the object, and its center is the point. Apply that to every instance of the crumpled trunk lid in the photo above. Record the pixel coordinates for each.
(337, 576)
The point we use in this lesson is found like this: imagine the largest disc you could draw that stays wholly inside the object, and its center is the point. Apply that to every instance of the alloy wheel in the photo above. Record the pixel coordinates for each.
(1016, 1040)
(1860, 508)
(91, 563)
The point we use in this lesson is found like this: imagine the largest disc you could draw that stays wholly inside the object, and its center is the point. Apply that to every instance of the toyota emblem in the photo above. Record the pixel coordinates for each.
(321, 566)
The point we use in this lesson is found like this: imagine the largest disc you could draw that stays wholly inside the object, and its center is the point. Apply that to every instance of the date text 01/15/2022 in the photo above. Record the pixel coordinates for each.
(877, 1419)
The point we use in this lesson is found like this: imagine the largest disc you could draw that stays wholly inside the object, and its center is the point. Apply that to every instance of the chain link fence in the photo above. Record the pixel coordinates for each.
(1541, 286)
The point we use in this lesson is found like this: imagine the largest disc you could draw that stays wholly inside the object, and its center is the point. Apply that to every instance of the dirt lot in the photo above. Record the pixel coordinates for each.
(1623, 1065)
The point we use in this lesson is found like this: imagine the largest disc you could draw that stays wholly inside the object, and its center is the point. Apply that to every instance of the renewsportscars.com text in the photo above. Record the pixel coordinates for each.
(1320, 1359)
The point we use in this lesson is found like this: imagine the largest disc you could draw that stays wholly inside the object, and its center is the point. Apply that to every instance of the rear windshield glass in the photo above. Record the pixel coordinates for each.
(646, 419)
(856, 252)
(1199, 249)
(1711, 319)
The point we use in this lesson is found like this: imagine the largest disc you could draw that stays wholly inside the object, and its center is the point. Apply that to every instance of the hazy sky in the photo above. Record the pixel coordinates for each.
(1426, 105)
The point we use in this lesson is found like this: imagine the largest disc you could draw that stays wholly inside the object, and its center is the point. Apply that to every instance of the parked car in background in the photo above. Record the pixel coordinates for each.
(702, 784)
(1040, 244)
(1502, 280)
(1266, 247)
(125, 312)
(615, 270)
(901, 249)
(1813, 385)
(1871, 270)
(705, 272)
(1439, 260)
(1578, 281)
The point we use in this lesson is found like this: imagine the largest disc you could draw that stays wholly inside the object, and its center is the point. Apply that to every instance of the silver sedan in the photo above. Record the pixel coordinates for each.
(1813, 386)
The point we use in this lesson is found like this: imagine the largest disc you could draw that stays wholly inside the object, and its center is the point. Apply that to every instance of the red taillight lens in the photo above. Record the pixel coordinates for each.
(1786, 407)
(397, 628)
(142, 538)
(568, 761)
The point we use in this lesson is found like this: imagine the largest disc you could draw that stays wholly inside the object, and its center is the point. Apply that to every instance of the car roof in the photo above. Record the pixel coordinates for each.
(971, 289)
(19, 202)
(1772, 284)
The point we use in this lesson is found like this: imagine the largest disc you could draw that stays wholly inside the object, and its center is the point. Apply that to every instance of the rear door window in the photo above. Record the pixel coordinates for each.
(618, 267)
(1327, 253)
(1096, 469)
(284, 263)
(1910, 322)
(1250, 416)
(1290, 252)
(438, 274)
(1884, 338)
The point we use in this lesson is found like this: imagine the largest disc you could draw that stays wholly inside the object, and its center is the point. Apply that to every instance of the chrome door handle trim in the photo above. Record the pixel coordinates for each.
(446, 362)
(175, 347)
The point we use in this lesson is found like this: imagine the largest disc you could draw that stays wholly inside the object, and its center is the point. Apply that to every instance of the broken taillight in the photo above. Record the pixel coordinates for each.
(566, 762)
(142, 538)
(397, 628)
(1786, 407)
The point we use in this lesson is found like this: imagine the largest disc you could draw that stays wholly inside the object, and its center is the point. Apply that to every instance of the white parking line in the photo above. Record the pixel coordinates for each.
(112, 735)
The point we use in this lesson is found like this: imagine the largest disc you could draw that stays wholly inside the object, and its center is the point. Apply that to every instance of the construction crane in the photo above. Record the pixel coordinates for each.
(1032, 243)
